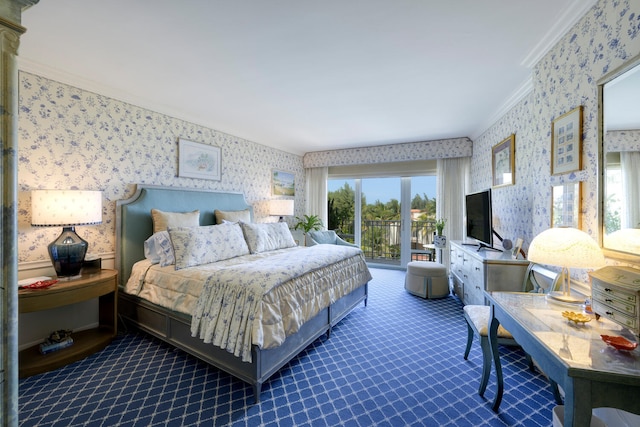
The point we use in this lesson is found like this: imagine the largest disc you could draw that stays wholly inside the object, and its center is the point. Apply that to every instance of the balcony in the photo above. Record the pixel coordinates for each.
(381, 240)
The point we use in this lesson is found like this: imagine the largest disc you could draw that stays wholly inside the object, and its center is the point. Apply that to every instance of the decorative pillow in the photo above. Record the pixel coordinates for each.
(165, 220)
(232, 216)
(206, 244)
(159, 250)
(267, 237)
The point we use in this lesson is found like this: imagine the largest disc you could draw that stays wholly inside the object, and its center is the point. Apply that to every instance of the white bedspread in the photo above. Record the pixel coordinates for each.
(257, 300)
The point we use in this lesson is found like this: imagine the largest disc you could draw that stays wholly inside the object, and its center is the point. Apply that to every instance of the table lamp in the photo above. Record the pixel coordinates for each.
(281, 208)
(66, 208)
(566, 247)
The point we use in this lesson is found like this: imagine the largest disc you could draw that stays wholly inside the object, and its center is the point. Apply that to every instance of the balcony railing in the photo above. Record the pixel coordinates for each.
(380, 240)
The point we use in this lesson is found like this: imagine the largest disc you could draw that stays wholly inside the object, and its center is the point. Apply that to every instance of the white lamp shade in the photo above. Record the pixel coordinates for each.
(65, 207)
(566, 247)
(281, 207)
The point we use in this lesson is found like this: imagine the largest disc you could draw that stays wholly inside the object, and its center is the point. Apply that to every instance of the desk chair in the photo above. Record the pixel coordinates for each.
(536, 279)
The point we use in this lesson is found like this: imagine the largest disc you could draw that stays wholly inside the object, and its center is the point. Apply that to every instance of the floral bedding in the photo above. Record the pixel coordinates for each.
(256, 299)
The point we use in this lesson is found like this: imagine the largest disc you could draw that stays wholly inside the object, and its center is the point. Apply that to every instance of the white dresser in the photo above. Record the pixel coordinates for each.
(475, 271)
(615, 293)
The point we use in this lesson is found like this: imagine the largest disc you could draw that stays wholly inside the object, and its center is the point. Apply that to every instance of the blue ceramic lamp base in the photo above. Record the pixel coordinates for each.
(67, 253)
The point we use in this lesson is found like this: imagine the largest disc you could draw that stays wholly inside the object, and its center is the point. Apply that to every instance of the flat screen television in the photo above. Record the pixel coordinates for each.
(479, 218)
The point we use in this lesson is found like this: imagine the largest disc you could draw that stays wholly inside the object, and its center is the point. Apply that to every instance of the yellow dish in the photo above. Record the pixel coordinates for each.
(576, 317)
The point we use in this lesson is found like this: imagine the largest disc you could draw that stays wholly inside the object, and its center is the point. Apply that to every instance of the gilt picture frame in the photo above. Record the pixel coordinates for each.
(566, 142)
(566, 205)
(503, 162)
(197, 160)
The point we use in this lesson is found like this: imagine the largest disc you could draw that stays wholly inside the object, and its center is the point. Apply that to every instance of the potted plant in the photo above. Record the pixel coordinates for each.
(439, 240)
(308, 223)
(439, 224)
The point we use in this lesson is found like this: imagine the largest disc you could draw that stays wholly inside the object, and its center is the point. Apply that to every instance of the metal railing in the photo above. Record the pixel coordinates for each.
(380, 239)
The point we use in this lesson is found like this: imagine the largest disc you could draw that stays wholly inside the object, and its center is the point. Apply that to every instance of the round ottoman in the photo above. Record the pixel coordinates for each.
(427, 279)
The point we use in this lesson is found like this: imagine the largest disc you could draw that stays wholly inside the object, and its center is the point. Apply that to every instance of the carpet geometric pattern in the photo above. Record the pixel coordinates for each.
(396, 362)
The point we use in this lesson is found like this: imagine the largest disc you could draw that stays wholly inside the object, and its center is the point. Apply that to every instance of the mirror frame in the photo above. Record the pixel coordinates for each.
(609, 253)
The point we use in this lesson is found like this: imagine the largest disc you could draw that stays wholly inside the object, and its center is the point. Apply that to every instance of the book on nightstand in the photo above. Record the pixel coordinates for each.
(50, 346)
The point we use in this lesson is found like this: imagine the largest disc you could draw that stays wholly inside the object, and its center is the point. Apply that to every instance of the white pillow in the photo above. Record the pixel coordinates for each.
(164, 220)
(159, 250)
(267, 237)
(206, 244)
(232, 216)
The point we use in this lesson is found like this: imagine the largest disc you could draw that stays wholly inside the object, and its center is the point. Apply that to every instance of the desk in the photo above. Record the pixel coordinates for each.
(591, 373)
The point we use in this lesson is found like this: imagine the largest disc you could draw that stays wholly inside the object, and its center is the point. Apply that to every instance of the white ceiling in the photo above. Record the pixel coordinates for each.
(303, 76)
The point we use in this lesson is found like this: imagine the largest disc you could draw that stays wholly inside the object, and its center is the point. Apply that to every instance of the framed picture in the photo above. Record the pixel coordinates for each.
(566, 142)
(503, 162)
(196, 160)
(517, 248)
(566, 205)
(283, 183)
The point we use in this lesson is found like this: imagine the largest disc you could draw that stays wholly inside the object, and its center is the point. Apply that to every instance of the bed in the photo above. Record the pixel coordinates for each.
(175, 324)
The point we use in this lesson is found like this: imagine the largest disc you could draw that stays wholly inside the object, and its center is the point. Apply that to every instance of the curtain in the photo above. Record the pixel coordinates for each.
(453, 185)
(630, 165)
(316, 189)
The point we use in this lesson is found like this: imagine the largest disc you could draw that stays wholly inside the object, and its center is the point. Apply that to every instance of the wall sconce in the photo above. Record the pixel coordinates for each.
(566, 247)
(66, 208)
(281, 208)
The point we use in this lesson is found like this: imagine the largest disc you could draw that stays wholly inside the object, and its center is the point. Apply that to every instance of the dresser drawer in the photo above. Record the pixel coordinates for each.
(615, 315)
(612, 300)
(614, 292)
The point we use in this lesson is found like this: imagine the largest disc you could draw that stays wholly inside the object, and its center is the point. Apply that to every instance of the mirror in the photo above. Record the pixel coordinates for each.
(620, 145)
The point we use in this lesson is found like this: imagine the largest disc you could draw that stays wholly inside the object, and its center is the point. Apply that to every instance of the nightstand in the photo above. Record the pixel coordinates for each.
(102, 285)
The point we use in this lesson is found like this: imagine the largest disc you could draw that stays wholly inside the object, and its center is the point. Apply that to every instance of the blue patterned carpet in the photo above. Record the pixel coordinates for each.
(396, 362)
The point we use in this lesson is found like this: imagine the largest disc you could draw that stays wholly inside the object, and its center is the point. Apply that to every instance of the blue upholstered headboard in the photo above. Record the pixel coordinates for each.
(134, 224)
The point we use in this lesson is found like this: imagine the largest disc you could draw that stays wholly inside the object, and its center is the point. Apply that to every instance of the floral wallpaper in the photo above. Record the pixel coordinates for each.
(74, 139)
(566, 77)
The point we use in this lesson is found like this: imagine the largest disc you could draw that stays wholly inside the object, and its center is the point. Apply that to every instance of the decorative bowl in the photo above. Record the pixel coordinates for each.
(619, 343)
(576, 317)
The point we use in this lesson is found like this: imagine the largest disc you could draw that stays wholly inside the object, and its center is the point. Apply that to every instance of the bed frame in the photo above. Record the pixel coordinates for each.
(134, 226)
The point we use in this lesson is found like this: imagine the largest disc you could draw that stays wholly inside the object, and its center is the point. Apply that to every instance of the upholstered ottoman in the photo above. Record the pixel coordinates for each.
(427, 279)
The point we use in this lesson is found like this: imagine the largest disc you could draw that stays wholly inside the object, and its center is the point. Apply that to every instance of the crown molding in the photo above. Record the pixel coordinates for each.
(564, 22)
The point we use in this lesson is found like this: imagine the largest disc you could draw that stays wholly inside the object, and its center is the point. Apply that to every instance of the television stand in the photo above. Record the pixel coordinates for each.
(482, 246)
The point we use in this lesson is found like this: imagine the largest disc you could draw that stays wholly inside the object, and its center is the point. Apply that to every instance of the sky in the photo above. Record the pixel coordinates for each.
(385, 189)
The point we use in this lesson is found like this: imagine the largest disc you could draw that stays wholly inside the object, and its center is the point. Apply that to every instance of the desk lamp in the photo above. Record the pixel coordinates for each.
(281, 208)
(66, 208)
(566, 247)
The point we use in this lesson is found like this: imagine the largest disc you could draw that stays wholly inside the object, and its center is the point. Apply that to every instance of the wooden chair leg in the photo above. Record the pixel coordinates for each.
(486, 364)
(469, 340)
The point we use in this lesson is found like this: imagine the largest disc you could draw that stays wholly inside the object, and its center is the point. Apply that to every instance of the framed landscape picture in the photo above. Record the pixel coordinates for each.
(283, 183)
(566, 142)
(196, 160)
(503, 162)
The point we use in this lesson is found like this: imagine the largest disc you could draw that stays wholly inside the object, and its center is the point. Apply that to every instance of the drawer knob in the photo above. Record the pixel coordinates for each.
(607, 289)
(609, 313)
(608, 300)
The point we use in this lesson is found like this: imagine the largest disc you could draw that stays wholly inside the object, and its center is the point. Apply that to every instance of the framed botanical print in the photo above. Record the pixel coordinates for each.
(503, 162)
(566, 205)
(566, 142)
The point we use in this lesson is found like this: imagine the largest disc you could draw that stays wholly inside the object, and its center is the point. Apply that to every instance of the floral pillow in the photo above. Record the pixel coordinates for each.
(159, 250)
(267, 237)
(206, 244)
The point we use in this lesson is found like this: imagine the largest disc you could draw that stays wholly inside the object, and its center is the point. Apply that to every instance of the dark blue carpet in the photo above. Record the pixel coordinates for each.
(396, 362)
